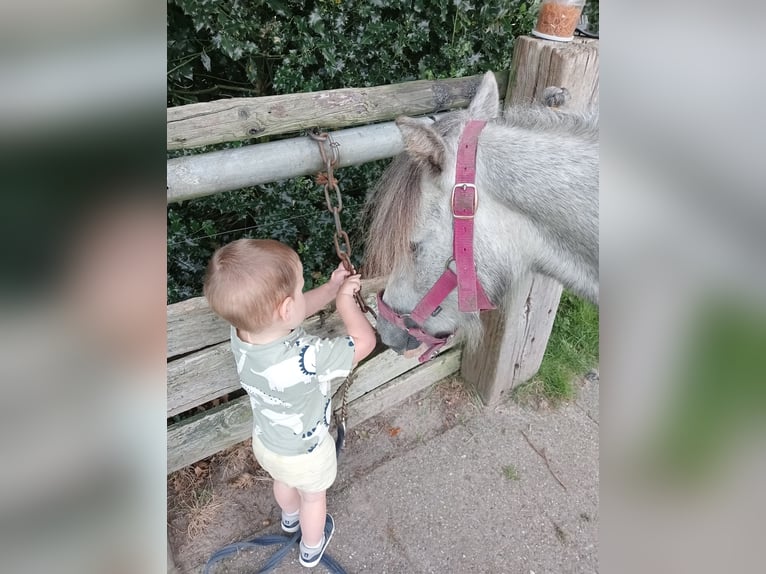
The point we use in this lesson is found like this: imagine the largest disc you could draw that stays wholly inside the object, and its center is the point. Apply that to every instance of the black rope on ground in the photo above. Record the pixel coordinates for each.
(287, 543)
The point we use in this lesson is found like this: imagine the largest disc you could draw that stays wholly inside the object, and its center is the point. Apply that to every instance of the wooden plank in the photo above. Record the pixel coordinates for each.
(204, 375)
(200, 377)
(404, 386)
(514, 344)
(238, 119)
(377, 371)
(207, 433)
(209, 374)
(192, 325)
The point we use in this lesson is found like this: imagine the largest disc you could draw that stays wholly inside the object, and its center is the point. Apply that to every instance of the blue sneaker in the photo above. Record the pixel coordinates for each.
(310, 557)
(291, 524)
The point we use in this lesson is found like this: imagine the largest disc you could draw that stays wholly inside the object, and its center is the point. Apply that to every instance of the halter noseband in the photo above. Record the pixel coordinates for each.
(470, 294)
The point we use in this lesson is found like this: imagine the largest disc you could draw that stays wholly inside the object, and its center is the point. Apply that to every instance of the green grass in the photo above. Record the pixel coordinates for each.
(510, 472)
(572, 350)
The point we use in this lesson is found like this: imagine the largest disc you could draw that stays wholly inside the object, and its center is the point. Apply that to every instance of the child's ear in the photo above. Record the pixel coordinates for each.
(285, 308)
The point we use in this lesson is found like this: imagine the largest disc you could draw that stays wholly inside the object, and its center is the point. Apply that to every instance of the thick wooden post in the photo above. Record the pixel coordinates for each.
(515, 339)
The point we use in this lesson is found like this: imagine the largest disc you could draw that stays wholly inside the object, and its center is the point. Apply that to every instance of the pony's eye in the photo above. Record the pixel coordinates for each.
(414, 247)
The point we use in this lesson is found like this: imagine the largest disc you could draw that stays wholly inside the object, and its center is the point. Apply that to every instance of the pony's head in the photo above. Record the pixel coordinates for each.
(537, 210)
(410, 227)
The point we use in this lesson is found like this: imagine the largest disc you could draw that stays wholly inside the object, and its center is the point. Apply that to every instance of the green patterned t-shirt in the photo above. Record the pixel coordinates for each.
(289, 383)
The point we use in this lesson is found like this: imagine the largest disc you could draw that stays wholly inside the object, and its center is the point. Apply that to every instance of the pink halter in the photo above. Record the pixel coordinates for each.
(470, 294)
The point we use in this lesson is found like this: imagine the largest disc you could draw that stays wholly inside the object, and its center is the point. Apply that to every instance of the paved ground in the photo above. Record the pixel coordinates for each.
(477, 497)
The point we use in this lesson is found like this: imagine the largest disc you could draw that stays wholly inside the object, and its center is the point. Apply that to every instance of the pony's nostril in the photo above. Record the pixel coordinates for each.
(412, 343)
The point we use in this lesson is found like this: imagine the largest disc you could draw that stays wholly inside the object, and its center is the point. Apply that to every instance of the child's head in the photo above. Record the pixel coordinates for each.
(248, 279)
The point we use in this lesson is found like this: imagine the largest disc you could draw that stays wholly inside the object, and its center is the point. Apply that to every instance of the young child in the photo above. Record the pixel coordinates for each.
(257, 286)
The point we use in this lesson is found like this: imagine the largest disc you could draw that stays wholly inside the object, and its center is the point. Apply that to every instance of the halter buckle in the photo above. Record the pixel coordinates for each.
(464, 186)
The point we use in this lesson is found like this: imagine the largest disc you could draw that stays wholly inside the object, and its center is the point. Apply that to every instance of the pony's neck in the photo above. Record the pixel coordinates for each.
(557, 199)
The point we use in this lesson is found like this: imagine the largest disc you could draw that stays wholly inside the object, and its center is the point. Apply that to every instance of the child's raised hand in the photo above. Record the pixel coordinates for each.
(351, 285)
(338, 276)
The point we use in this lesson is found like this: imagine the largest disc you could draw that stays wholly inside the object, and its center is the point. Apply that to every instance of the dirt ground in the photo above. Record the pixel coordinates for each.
(227, 497)
(440, 455)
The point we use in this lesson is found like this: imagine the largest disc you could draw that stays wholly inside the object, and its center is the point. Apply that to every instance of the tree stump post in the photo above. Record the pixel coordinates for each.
(516, 337)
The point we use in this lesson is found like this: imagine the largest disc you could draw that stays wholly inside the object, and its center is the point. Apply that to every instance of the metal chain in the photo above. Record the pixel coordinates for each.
(329, 150)
(340, 418)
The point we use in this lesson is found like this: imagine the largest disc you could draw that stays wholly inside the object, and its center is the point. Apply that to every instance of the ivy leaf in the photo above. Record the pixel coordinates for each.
(205, 61)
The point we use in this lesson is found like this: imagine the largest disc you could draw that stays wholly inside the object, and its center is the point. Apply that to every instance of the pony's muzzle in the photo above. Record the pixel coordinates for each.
(395, 338)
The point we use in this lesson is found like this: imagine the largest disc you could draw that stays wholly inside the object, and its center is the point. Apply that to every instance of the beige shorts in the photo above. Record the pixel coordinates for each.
(311, 472)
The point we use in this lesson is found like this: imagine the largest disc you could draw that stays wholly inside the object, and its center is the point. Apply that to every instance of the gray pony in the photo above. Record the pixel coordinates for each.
(537, 181)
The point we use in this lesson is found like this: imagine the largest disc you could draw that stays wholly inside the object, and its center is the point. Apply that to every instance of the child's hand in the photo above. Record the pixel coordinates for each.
(351, 285)
(337, 277)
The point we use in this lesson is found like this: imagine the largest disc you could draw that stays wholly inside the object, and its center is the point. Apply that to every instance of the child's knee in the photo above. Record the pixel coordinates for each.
(310, 497)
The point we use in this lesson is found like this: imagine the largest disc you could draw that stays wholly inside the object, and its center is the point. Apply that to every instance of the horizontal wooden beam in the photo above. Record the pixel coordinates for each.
(192, 325)
(200, 377)
(209, 373)
(404, 386)
(221, 427)
(207, 433)
(238, 119)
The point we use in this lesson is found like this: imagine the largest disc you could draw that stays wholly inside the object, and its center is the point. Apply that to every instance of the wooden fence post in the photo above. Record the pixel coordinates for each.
(515, 340)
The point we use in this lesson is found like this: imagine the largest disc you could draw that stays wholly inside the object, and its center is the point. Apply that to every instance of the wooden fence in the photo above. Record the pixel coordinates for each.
(200, 366)
(201, 369)
(239, 119)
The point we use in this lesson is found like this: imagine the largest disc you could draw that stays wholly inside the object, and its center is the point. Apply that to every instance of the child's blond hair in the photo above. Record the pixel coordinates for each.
(247, 280)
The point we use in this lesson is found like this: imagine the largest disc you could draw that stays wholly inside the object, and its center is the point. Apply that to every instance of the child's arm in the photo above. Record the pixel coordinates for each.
(319, 297)
(357, 326)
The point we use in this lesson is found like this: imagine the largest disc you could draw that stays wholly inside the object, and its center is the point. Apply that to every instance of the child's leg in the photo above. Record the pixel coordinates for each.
(313, 511)
(288, 497)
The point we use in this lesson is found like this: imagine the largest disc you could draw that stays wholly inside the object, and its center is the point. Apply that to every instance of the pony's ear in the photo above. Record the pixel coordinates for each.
(422, 143)
(485, 105)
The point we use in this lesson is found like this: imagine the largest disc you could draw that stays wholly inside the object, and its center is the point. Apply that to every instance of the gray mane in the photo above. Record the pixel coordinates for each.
(389, 215)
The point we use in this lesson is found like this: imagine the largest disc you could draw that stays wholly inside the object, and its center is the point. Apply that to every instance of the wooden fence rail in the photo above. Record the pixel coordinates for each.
(239, 119)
